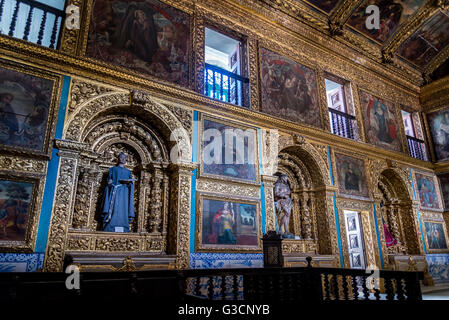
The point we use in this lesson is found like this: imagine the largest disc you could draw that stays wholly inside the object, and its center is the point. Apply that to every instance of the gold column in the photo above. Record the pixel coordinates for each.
(62, 207)
(270, 212)
(179, 232)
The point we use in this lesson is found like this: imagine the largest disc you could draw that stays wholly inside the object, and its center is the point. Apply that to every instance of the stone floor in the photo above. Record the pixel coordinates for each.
(437, 292)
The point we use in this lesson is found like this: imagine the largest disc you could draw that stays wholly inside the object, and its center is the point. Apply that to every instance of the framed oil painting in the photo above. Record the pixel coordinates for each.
(428, 192)
(436, 236)
(381, 125)
(18, 221)
(392, 14)
(146, 36)
(27, 103)
(228, 151)
(288, 89)
(439, 130)
(227, 225)
(351, 176)
(444, 183)
(426, 42)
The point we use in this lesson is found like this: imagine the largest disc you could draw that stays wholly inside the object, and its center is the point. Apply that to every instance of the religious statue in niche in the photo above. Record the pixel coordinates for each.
(283, 205)
(118, 203)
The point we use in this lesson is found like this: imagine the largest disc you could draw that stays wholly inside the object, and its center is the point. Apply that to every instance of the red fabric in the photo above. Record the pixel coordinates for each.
(389, 239)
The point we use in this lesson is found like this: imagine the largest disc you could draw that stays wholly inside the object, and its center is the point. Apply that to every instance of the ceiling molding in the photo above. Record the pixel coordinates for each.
(437, 61)
(340, 14)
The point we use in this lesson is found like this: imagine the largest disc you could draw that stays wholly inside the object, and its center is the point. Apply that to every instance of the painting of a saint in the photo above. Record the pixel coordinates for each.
(436, 239)
(14, 209)
(381, 126)
(444, 182)
(228, 151)
(426, 42)
(24, 109)
(227, 224)
(289, 89)
(146, 36)
(351, 176)
(392, 14)
(427, 192)
(439, 129)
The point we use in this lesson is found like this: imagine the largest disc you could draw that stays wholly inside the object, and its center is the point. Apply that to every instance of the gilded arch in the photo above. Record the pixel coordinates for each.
(148, 130)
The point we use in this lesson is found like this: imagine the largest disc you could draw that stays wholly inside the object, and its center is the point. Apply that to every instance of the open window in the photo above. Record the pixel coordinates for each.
(414, 135)
(342, 120)
(37, 21)
(225, 73)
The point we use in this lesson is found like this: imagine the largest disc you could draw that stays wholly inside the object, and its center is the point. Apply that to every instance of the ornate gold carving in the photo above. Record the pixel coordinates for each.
(19, 164)
(270, 215)
(54, 256)
(298, 246)
(227, 187)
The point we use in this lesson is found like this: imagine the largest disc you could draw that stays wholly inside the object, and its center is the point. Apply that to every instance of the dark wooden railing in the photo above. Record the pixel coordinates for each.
(220, 84)
(26, 20)
(342, 123)
(417, 148)
(260, 284)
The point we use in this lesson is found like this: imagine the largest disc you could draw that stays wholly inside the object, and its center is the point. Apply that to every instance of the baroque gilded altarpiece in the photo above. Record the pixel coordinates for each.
(111, 109)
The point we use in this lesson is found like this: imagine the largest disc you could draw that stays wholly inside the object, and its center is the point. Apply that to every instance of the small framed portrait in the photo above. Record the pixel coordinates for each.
(428, 191)
(354, 241)
(351, 176)
(227, 225)
(351, 224)
(356, 260)
(27, 108)
(436, 236)
(228, 151)
(18, 218)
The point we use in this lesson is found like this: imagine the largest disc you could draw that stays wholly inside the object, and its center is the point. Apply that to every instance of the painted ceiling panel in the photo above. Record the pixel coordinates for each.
(426, 42)
(392, 14)
(325, 5)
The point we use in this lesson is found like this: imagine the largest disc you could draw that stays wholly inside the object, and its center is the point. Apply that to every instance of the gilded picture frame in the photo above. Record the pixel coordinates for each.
(205, 171)
(433, 230)
(242, 240)
(423, 196)
(365, 178)
(12, 214)
(51, 117)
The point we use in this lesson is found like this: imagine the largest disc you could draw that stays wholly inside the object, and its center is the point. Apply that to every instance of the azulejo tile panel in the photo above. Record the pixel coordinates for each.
(225, 260)
(14, 262)
(438, 267)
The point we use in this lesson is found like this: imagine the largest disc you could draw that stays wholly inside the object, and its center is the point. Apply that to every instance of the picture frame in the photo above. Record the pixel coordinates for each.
(381, 121)
(356, 188)
(242, 173)
(428, 190)
(436, 238)
(20, 202)
(217, 232)
(289, 87)
(29, 96)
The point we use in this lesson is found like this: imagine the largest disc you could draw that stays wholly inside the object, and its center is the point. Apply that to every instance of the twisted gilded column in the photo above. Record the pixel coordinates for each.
(179, 232)
(62, 208)
(270, 212)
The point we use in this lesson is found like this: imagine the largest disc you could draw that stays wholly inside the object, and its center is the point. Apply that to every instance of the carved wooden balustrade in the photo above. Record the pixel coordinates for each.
(258, 284)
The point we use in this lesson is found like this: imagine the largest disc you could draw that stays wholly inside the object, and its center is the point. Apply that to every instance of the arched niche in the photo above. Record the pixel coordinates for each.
(159, 150)
(397, 211)
(108, 134)
(308, 176)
